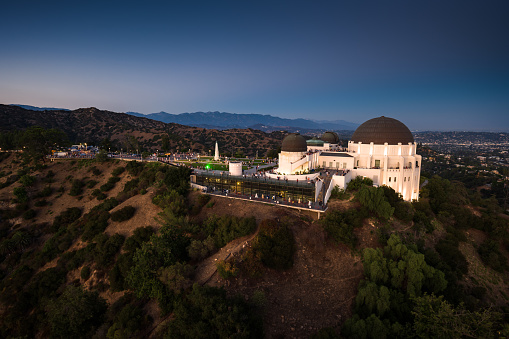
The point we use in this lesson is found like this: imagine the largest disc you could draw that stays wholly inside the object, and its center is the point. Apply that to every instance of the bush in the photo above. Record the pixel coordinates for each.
(357, 183)
(209, 312)
(340, 225)
(106, 248)
(373, 199)
(227, 269)
(30, 214)
(65, 218)
(109, 184)
(45, 192)
(27, 180)
(339, 193)
(40, 203)
(201, 249)
(140, 235)
(91, 183)
(274, 245)
(123, 214)
(227, 228)
(21, 194)
(77, 187)
(491, 256)
(117, 171)
(76, 313)
(85, 273)
(98, 194)
(96, 223)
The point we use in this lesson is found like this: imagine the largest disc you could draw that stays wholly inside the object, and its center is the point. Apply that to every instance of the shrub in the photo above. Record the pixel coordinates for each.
(339, 193)
(140, 235)
(106, 248)
(85, 273)
(96, 223)
(98, 194)
(65, 218)
(77, 187)
(357, 183)
(340, 225)
(227, 269)
(227, 228)
(491, 256)
(374, 199)
(109, 184)
(27, 180)
(117, 171)
(21, 194)
(91, 183)
(274, 245)
(201, 249)
(45, 192)
(95, 170)
(123, 214)
(76, 313)
(40, 203)
(30, 214)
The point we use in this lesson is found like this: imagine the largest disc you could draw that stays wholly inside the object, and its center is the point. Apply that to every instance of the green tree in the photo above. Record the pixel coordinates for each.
(207, 312)
(165, 142)
(374, 199)
(436, 318)
(102, 156)
(37, 142)
(161, 251)
(275, 245)
(76, 313)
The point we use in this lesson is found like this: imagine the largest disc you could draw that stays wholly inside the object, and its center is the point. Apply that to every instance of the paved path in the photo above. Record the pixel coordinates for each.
(254, 169)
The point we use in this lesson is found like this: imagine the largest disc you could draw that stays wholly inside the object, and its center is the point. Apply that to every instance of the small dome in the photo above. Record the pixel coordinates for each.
(383, 130)
(314, 142)
(330, 137)
(294, 142)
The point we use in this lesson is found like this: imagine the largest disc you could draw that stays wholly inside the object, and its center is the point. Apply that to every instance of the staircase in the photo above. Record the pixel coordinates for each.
(325, 187)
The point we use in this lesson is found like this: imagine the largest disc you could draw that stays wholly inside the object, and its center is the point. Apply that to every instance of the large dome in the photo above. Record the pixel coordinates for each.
(294, 142)
(383, 130)
(330, 137)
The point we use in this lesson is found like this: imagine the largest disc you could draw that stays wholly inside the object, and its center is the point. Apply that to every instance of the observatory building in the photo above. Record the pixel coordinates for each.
(382, 149)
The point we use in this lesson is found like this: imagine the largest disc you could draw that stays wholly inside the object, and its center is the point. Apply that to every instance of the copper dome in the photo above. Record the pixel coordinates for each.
(294, 142)
(330, 137)
(383, 130)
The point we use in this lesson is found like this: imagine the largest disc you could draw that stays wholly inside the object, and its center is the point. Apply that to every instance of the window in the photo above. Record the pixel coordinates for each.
(357, 163)
(330, 164)
(389, 179)
(377, 163)
(404, 179)
(394, 179)
(324, 164)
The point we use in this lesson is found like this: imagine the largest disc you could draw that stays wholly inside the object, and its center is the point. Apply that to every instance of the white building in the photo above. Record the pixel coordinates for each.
(382, 149)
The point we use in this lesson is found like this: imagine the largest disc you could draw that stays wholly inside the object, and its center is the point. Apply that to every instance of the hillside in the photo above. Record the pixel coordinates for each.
(119, 130)
(86, 230)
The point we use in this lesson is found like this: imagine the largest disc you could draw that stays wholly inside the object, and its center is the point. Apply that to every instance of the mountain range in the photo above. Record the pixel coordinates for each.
(223, 120)
(267, 123)
(120, 130)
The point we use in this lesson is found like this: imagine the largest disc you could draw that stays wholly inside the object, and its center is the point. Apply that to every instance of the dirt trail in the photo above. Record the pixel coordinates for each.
(207, 268)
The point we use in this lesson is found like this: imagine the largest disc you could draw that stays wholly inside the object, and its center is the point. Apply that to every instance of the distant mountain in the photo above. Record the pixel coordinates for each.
(34, 108)
(95, 126)
(223, 120)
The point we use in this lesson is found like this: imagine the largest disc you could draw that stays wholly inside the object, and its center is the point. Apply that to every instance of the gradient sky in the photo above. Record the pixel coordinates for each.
(434, 65)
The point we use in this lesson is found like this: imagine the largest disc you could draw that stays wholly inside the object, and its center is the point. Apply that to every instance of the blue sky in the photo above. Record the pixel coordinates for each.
(434, 65)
